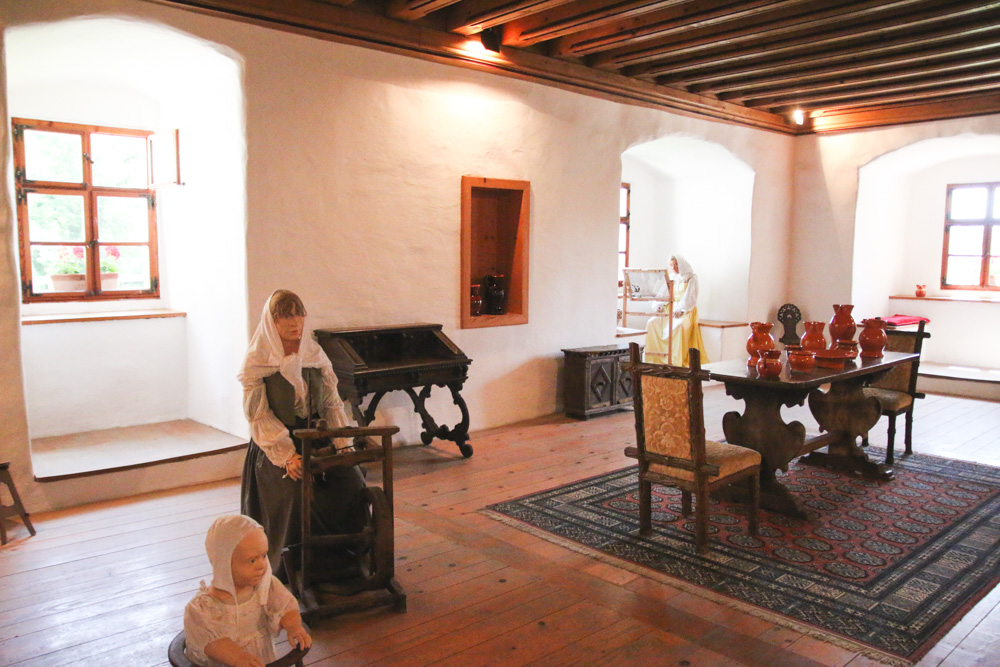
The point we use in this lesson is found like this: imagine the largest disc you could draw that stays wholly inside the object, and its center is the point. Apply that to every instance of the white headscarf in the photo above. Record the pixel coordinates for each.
(221, 541)
(684, 270)
(265, 354)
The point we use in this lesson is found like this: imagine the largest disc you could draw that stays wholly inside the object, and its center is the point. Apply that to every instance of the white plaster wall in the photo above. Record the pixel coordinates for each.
(354, 161)
(110, 71)
(826, 172)
(101, 376)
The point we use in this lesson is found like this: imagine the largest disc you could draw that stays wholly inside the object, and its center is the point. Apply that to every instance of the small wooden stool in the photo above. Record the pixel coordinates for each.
(16, 509)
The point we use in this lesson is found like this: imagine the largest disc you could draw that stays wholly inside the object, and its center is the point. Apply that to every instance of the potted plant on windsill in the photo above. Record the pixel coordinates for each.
(109, 267)
(68, 274)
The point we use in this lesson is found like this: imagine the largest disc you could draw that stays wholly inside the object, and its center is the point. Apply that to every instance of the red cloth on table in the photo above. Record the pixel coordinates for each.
(903, 320)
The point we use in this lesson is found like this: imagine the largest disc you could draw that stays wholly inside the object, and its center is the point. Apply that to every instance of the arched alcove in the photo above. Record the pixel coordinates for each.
(899, 232)
(126, 73)
(693, 197)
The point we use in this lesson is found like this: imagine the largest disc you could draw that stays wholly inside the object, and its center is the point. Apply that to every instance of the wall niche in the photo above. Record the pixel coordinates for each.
(494, 251)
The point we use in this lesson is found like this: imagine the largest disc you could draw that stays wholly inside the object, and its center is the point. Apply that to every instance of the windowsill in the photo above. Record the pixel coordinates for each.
(961, 299)
(102, 316)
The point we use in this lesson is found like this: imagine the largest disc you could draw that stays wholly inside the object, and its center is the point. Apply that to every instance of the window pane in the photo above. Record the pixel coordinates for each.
(621, 267)
(995, 240)
(53, 156)
(622, 237)
(122, 219)
(963, 271)
(996, 204)
(119, 162)
(58, 269)
(968, 203)
(623, 203)
(55, 217)
(966, 240)
(994, 278)
(133, 268)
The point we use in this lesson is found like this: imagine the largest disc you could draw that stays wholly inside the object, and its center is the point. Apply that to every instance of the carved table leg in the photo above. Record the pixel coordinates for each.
(845, 412)
(762, 429)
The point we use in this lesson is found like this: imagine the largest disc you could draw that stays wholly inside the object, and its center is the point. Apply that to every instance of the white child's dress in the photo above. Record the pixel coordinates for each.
(250, 624)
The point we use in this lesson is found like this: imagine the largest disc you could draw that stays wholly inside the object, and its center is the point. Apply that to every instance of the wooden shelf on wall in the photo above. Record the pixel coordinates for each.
(495, 235)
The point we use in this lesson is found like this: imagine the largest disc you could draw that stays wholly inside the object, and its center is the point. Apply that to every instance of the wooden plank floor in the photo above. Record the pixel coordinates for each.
(106, 584)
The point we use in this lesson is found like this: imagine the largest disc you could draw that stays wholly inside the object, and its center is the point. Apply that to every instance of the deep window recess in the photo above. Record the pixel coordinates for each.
(972, 237)
(85, 211)
(624, 213)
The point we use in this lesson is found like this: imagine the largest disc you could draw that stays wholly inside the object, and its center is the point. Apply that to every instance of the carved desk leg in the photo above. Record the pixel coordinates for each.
(846, 413)
(762, 429)
(459, 435)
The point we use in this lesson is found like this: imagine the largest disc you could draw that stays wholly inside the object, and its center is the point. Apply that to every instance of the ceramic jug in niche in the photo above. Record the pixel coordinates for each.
(760, 339)
(842, 325)
(813, 339)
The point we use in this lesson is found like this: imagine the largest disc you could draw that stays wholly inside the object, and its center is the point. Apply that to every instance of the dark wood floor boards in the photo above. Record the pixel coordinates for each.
(106, 584)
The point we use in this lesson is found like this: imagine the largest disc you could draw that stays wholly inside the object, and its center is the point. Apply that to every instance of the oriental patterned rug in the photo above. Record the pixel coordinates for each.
(884, 568)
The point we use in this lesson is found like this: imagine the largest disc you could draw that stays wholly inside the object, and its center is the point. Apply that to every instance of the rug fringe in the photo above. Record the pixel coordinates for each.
(744, 607)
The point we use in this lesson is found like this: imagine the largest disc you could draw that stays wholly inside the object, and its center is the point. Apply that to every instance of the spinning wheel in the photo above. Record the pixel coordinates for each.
(331, 574)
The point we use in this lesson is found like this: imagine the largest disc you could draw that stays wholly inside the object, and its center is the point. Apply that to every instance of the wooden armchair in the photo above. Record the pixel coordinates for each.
(672, 451)
(897, 389)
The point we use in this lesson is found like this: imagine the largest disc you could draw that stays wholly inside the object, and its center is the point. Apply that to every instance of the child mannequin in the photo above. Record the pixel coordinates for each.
(233, 622)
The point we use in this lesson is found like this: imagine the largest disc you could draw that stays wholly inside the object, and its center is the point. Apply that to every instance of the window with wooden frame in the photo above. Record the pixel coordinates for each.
(972, 237)
(624, 215)
(86, 212)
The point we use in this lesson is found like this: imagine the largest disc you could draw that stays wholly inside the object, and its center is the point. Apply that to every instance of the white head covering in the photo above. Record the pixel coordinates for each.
(221, 541)
(265, 354)
(684, 269)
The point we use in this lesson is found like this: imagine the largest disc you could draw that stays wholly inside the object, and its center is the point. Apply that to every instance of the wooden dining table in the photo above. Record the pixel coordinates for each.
(837, 402)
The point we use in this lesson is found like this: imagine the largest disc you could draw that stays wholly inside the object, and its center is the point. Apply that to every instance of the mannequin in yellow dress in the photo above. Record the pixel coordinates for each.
(687, 333)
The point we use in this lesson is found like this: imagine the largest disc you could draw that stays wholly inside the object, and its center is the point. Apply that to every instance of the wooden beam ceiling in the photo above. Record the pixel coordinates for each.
(848, 64)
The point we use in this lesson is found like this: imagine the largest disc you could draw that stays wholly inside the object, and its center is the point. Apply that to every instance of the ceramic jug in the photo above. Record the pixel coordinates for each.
(921, 290)
(873, 338)
(800, 359)
(842, 325)
(813, 339)
(760, 339)
(769, 363)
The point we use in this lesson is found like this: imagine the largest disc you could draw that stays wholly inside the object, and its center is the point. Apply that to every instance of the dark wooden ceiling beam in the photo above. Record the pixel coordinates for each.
(832, 96)
(905, 95)
(659, 61)
(954, 69)
(411, 10)
(577, 16)
(473, 16)
(794, 19)
(908, 52)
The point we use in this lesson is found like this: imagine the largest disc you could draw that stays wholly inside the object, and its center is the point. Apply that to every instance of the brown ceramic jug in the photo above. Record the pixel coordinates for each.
(842, 325)
(813, 339)
(760, 339)
(800, 359)
(769, 363)
(873, 338)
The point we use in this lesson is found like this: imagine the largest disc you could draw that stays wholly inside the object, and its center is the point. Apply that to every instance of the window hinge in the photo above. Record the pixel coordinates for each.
(19, 174)
(26, 288)
(22, 196)
(154, 285)
(18, 132)
(152, 201)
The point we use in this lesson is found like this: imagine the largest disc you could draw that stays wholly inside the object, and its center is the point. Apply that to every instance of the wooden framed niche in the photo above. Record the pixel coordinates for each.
(495, 242)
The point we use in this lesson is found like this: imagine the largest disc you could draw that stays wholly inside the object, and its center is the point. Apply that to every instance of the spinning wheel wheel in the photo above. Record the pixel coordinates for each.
(372, 548)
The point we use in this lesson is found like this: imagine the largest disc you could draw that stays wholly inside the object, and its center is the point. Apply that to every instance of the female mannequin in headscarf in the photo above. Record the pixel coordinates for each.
(288, 380)
(686, 332)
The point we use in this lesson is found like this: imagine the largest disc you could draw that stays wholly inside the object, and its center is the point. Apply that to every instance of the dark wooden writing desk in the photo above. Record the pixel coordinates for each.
(842, 412)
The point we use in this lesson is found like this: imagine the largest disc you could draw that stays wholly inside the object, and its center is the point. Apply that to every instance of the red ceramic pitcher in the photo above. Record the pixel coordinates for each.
(873, 338)
(813, 339)
(769, 363)
(842, 325)
(760, 339)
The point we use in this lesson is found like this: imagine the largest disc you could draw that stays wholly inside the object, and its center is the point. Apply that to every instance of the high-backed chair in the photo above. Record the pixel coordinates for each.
(672, 450)
(897, 389)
